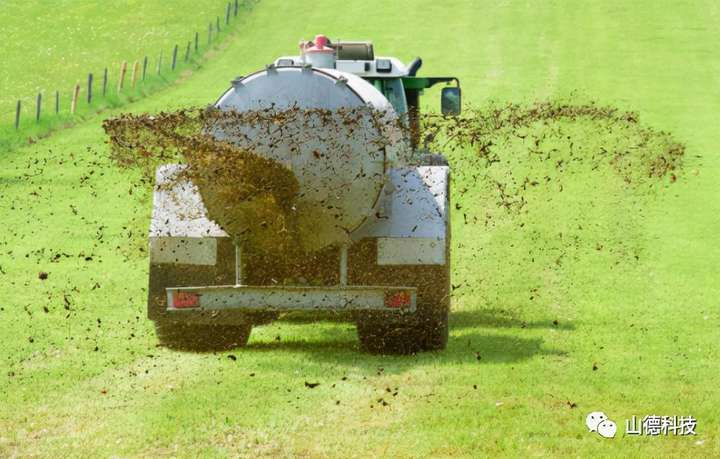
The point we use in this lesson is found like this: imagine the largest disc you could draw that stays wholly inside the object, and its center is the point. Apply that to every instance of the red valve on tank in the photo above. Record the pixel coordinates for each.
(317, 53)
(319, 45)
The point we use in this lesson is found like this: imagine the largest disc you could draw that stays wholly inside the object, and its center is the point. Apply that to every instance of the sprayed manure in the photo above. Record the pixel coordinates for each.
(259, 191)
(590, 133)
(546, 192)
(273, 180)
(516, 139)
(518, 173)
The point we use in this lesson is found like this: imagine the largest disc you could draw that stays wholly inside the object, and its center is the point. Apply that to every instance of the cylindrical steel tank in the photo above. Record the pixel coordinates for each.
(340, 163)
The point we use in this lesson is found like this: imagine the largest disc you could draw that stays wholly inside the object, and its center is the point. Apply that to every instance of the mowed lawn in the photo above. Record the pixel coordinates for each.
(625, 319)
(51, 46)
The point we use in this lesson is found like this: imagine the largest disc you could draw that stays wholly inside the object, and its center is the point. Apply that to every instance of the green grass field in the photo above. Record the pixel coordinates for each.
(53, 45)
(623, 320)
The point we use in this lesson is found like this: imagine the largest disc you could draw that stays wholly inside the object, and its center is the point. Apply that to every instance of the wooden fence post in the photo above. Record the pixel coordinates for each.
(159, 64)
(134, 74)
(197, 38)
(90, 87)
(104, 82)
(236, 7)
(123, 71)
(17, 115)
(57, 102)
(217, 24)
(174, 61)
(145, 63)
(187, 52)
(227, 14)
(38, 105)
(75, 94)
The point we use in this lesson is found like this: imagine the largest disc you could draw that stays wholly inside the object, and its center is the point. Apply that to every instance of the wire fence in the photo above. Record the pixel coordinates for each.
(129, 80)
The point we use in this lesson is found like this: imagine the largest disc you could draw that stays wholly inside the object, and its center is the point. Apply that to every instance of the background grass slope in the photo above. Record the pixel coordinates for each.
(51, 46)
(85, 375)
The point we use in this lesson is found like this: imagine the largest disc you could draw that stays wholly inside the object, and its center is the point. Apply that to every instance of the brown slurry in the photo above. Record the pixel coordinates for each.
(246, 194)
(647, 152)
(254, 198)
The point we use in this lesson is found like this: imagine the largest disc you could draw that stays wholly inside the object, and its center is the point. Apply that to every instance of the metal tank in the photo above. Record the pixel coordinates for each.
(339, 163)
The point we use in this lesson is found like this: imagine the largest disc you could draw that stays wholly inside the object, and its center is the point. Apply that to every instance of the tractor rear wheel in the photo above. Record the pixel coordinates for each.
(202, 337)
(391, 333)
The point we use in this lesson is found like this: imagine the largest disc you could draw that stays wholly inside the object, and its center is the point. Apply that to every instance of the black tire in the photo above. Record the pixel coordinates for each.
(399, 335)
(424, 330)
(202, 337)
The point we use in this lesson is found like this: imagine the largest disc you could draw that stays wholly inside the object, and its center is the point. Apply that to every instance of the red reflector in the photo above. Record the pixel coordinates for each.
(185, 300)
(399, 299)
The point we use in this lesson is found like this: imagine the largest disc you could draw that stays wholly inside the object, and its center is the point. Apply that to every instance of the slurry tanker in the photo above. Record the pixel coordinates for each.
(372, 210)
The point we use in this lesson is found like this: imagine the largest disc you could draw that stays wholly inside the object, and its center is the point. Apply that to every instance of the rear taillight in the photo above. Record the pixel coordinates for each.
(398, 299)
(185, 300)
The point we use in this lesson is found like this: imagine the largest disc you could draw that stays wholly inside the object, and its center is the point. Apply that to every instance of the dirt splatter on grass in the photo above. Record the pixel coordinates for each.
(533, 145)
(557, 183)
(271, 179)
(247, 194)
(558, 133)
(514, 166)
